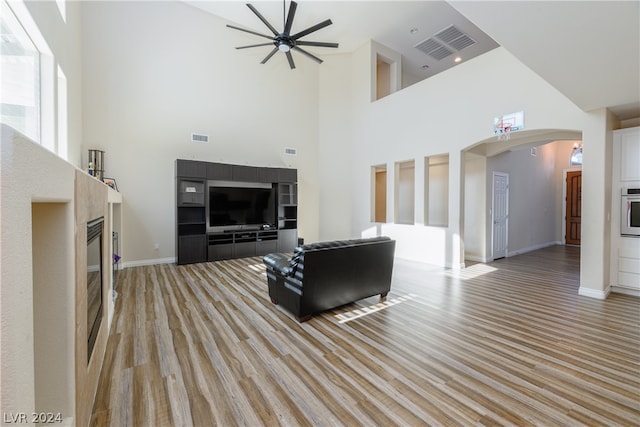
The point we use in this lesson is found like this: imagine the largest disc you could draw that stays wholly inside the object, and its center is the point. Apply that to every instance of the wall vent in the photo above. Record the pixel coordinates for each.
(198, 137)
(290, 151)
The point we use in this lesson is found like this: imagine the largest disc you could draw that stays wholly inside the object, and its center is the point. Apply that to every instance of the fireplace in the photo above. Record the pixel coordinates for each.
(94, 282)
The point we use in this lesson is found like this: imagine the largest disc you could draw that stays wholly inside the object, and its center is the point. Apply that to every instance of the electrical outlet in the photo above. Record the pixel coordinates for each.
(156, 246)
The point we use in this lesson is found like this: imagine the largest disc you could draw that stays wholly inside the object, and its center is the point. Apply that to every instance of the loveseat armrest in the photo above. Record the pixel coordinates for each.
(279, 263)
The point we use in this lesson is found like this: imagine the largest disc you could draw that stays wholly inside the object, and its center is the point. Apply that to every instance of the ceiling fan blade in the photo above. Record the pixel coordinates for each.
(254, 45)
(311, 29)
(290, 59)
(304, 52)
(292, 13)
(268, 57)
(250, 32)
(254, 10)
(319, 44)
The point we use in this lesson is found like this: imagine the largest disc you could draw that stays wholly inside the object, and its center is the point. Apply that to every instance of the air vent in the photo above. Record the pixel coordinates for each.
(290, 151)
(455, 38)
(428, 45)
(449, 34)
(433, 48)
(440, 53)
(203, 139)
(462, 42)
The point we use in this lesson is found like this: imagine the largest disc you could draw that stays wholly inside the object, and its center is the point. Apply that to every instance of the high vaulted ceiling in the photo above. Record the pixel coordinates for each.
(588, 50)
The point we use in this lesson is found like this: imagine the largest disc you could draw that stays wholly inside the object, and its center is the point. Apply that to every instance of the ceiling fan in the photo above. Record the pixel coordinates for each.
(285, 41)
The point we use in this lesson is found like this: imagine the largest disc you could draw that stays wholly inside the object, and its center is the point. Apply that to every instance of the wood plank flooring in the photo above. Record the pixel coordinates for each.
(505, 343)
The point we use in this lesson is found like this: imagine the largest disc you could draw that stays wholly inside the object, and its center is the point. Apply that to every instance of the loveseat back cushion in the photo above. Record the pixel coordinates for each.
(297, 260)
(336, 277)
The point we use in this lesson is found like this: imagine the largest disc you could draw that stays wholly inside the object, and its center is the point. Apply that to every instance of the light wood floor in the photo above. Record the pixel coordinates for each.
(505, 343)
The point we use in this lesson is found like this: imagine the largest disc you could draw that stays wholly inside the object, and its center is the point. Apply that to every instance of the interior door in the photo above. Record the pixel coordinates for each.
(573, 216)
(500, 215)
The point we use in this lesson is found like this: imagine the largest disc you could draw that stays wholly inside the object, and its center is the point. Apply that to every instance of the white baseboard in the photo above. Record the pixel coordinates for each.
(452, 266)
(533, 248)
(594, 293)
(144, 262)
(626, 291)
(477, 259)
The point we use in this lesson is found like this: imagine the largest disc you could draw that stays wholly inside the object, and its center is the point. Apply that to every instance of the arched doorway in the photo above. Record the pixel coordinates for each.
(535, 161)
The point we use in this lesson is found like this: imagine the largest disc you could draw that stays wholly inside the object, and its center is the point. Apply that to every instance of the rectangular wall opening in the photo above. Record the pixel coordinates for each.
(383, 77)
(379, 187)
(436, 190)
(405, 192)
(53, 307)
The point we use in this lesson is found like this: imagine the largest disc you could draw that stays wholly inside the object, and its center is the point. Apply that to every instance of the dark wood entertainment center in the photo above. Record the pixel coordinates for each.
(194, 240)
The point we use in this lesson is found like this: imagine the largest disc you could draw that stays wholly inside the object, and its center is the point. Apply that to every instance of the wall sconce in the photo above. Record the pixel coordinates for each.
(576, 155)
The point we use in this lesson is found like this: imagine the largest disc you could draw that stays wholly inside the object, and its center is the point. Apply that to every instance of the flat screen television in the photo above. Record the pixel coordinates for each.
(240, 207)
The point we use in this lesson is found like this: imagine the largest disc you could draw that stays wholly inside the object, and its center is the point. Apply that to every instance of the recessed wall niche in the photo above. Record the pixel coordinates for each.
(53, 308)
(436, 189)
(379, 196)
(405, 192)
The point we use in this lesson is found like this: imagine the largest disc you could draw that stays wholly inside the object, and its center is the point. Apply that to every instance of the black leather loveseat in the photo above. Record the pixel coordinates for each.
(321, 276)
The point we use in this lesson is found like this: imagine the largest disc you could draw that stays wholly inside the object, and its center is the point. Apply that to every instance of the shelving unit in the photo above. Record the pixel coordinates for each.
(287, 206)
(193, 242)
(239, 244)
(191, 221)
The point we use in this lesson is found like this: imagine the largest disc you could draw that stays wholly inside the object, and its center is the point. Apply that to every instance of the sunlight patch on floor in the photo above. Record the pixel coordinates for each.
(364, 311)
(471, 272)
(259, 268)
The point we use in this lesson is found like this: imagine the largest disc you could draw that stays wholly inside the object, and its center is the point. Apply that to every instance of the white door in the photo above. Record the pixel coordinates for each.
(500, 215)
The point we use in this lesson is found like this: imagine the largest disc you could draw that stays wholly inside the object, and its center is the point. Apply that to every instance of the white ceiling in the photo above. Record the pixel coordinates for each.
(588, 50)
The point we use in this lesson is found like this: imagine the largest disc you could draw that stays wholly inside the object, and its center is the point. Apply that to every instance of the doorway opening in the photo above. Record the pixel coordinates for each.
(572, 207)
(500, 215)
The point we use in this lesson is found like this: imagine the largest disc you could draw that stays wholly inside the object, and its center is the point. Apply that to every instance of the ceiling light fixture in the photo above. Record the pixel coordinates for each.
(283, 47)
(458, 59)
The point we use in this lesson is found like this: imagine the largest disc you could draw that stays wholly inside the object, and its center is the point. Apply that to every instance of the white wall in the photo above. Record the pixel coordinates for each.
(443, 114)
(475, 192)
(334, 126)
(154, 72)
(596, 209)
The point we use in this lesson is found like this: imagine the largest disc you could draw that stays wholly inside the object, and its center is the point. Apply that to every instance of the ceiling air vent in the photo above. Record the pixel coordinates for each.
(290, 151)
(455, 38)
(196, 137)
(433, 48)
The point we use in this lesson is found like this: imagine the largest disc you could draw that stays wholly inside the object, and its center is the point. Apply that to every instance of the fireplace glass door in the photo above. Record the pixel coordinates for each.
(94, 282)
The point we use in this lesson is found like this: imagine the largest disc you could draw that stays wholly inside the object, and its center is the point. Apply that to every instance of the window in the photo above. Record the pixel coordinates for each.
(19, 76)
(576, 156)
(62, 115)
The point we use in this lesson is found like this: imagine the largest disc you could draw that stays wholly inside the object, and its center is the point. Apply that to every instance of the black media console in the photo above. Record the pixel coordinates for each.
(200, 237)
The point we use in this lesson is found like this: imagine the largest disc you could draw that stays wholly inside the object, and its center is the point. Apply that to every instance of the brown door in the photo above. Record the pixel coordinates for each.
(574, 207)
